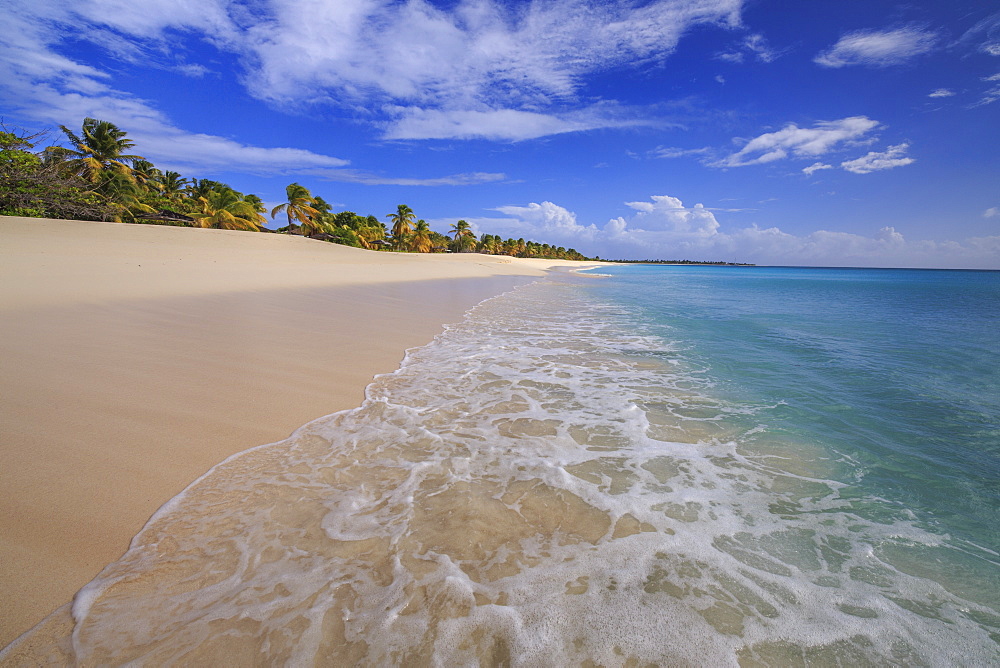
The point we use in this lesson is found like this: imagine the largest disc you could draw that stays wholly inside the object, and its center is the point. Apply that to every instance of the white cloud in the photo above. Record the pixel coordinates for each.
(878, 48)
(942, 92)
(800, 142)
(183, 151)
(991, 212)
(668, 214)
(758, 46)
(505, 124)
(548, 219)
(815, 167)
(754, 45)
(992, 94)
(663, 228)
(415, 68)
(985, 35)
(874, 161)
(352, 176)
(47, 87)
(674, 152)
(475, 52)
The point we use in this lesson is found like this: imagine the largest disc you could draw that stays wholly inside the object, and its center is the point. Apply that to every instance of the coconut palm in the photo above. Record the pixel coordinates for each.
(370, 231)
(172, 185)
(463, 235)
(321, 204)
(202, 187)
(101, 148)
(122, 194)
(257, 203)
(491, 244)
(227, 209)
(401, 221)
(146, 174)
(299, 207)
(420, 239)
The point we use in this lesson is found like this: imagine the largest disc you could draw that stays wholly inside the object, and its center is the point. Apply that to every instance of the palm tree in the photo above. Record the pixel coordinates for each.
(202, 187)
(257, 203)
(463, 235)
(122, 194)
(420, 240)
(100, 149)
(146, 174)
(370, 230)
(491, 244)
(172, 185)
(299, 207)
(321, 204)
(227, 209)
(401, 223)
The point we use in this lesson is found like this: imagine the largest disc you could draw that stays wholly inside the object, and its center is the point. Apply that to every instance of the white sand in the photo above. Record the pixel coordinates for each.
(135, 357)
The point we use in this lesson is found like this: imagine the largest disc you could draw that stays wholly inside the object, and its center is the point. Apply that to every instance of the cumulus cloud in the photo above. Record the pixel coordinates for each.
(878, 48)
(665, 228)
(800, 142)
(550, 219)
(668, 214)
(991, 212)
(874, 161)
(942, 92)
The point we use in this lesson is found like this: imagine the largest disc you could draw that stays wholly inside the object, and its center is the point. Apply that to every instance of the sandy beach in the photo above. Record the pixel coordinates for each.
(137, 357)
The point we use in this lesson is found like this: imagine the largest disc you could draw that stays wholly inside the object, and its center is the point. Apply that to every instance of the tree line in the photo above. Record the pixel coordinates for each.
(97, 177)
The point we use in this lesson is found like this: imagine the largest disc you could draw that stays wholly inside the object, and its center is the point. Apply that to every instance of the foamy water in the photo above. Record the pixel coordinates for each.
(548, 483)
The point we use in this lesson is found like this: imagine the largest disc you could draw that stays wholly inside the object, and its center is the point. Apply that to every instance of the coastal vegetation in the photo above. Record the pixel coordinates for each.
(95, 175)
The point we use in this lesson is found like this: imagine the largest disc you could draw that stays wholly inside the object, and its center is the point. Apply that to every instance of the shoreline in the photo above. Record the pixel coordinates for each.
(141, 356)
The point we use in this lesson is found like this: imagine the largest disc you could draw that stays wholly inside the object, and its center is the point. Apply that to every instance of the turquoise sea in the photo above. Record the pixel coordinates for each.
(660, 465)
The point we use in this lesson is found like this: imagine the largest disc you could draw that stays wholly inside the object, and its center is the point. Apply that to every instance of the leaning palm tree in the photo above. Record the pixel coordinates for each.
(370, 231)
(299, 207)
(463, 235)
(101, 148)
(401, 221)
(226, 209)
(420, 239)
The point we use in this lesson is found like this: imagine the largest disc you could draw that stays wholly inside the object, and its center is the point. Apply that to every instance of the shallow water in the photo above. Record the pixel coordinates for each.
(653, 468)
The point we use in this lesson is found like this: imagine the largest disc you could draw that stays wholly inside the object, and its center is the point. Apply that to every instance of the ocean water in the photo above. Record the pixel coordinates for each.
(701, 466)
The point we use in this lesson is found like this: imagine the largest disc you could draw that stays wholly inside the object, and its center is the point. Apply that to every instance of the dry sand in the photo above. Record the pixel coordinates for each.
(135, 357)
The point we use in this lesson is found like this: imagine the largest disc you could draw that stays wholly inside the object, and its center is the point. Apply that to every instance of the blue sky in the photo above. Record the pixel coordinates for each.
(823, 132)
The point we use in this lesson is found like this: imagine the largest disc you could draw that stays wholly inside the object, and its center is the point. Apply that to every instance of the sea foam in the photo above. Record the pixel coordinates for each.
(545, 484)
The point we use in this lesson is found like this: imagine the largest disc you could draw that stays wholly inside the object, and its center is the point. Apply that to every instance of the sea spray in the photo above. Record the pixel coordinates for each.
(553, 481)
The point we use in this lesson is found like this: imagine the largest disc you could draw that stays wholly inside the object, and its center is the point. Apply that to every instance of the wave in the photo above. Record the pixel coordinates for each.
(546, 483)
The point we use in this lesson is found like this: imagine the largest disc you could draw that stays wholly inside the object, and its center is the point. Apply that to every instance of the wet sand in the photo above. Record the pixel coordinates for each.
(136, 357)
